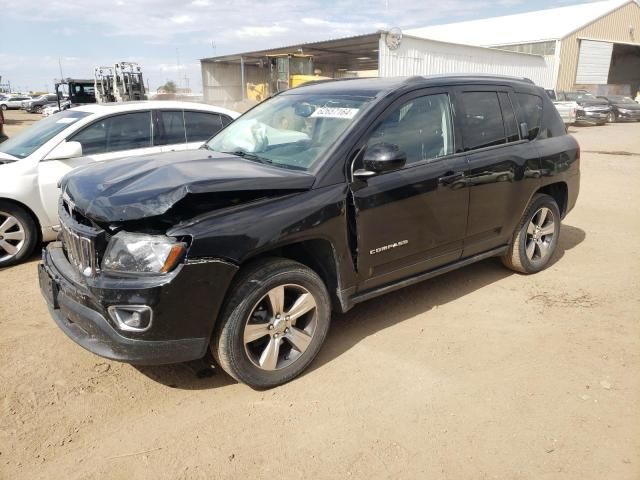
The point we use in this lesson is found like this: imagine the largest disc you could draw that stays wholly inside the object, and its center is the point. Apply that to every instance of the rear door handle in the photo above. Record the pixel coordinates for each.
(450, 178)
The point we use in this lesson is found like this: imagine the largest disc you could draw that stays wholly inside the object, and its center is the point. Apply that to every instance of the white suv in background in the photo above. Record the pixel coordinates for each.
(32, 162)
(13, 102)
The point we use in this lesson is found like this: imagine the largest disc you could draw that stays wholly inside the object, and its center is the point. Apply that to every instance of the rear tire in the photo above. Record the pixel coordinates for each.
(18, 234)
(536, 237)
(4, 107)
(273, 324)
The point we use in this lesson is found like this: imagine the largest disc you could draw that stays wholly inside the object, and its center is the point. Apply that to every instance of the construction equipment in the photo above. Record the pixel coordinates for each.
(286, 71)
(121, 83)
(104, 84)
(129, 84)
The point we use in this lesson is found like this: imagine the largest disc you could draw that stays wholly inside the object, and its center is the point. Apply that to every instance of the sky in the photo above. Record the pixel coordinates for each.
(168, 37)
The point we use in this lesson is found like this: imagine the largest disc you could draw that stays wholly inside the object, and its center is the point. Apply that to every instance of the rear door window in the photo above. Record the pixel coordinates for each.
(509, 117)
(481, 121)
(201, 126)
(171, 128)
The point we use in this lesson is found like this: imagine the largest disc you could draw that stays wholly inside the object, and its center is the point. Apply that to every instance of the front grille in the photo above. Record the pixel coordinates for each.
(81, 240)
(80, 251)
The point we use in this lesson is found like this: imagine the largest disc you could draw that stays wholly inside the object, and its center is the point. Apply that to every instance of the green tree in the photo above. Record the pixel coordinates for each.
(170, 87)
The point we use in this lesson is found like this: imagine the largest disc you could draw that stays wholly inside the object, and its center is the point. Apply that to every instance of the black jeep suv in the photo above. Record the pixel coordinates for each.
(317, 199)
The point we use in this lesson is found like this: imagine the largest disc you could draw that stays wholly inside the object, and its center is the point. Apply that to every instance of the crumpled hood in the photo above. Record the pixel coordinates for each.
(149, 185)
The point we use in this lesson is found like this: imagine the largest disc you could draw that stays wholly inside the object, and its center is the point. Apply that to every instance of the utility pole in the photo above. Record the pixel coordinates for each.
(60, 66)
(178, 66)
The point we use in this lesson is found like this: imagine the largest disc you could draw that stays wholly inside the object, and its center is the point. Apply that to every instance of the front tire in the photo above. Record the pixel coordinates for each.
(273, 324)
(536, 238)
(18, 234)
(612, 118)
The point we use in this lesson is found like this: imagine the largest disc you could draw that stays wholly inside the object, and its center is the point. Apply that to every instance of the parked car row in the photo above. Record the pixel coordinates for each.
(585, 108)
(317, 199)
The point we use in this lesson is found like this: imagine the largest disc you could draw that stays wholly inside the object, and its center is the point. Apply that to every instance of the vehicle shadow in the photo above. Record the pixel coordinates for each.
(383, 312)
(195, 375)
(368, 318)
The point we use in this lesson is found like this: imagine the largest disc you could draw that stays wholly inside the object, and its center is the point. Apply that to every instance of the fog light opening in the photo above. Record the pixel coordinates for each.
(131, 318)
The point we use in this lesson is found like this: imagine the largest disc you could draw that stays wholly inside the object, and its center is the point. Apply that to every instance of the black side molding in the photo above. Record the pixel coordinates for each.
(362, 297)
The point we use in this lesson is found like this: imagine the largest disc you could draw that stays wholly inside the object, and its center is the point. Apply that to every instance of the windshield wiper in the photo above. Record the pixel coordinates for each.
(249, 156)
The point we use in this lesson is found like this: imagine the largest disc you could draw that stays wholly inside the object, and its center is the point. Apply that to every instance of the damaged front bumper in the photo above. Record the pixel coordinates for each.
(184, 306)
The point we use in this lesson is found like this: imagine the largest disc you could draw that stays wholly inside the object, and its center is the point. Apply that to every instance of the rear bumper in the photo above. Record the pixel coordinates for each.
(185, 306)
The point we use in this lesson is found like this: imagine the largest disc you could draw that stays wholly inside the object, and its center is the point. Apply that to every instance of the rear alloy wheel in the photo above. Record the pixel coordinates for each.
(611, 117)
(18, 234)
(536, 238)
(4, 107)
(274, 323)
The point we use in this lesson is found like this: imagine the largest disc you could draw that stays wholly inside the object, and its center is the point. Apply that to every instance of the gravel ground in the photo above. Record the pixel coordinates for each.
(480, 373)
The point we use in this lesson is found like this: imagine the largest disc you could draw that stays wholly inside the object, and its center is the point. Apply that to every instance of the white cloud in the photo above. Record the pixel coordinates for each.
(261, 31)
(182, 19)
(200, 3)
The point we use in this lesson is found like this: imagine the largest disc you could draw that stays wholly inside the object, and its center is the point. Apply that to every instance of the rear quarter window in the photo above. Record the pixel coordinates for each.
(530, 111)
(552, 124)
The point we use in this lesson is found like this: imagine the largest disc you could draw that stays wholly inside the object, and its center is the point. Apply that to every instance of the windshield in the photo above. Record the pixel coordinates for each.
(291, 131)
(621, 99)
(574, 96)
(32, 138)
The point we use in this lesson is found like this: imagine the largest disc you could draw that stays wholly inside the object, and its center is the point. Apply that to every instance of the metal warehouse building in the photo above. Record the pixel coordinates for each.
(381, 53)
(594, 46)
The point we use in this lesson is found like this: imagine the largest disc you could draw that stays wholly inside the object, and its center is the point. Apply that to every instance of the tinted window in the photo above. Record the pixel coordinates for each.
(530, 112)
(552, 124)
(510, 123)
(421, 128)
(201, 126)
(225, 120)
(113, 134)
(171, 129)
(481, 120)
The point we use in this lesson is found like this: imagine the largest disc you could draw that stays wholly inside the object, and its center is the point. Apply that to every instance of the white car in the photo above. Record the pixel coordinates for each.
(13, 102)
(53, 108)
(32, 162)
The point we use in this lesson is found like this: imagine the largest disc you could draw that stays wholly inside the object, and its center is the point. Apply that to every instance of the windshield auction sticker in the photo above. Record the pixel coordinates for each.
(334, 112)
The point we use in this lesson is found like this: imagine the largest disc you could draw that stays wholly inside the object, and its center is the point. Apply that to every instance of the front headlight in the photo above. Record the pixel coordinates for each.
(624, 110)
(141, 253)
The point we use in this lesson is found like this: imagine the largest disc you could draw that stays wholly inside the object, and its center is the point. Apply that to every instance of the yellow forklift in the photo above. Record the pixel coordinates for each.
(286, 71)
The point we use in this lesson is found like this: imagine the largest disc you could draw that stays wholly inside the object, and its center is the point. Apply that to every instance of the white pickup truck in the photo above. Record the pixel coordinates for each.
(567, 110)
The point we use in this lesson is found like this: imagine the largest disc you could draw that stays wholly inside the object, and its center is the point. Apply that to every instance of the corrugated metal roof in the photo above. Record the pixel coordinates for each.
(537, 26)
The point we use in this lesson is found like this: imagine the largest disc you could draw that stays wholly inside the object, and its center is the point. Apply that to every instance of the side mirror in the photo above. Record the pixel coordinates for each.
(381, 158)
(65, 150)
(524, 131)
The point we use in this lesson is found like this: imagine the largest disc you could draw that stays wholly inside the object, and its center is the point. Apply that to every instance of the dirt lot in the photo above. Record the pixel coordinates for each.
(481, 373)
